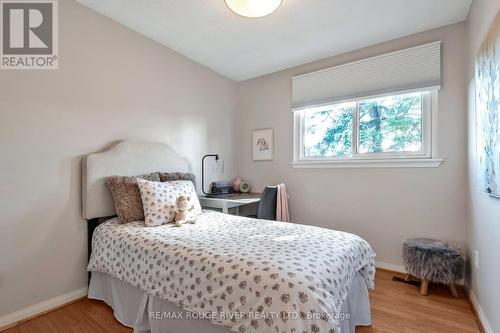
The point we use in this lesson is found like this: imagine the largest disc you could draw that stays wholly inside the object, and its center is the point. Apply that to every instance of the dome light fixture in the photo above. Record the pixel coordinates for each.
(253, 8)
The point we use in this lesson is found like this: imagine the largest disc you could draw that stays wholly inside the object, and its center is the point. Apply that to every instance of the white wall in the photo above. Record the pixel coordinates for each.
(483, 220)
(382, 205)
(111, 84)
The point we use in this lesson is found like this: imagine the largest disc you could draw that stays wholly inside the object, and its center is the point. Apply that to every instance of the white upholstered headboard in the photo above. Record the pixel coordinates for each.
(124, 158)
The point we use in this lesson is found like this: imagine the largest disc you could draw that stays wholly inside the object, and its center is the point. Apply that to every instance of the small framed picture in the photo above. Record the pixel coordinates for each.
(263, 144)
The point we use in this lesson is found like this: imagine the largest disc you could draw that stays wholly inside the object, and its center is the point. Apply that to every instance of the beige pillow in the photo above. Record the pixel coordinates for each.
(159, 200)
(127, 197)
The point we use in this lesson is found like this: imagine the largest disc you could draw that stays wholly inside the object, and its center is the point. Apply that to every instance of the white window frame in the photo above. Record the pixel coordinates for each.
(427, 157)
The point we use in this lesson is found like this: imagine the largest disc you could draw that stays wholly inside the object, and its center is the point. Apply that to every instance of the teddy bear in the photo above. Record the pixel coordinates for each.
(184, 213)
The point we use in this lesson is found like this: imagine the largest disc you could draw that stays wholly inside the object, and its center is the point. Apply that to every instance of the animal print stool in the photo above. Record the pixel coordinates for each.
(434, 261)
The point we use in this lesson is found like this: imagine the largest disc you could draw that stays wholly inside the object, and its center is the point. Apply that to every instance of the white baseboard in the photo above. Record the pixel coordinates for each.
(479, 311)
(384, 265)
(37, 309)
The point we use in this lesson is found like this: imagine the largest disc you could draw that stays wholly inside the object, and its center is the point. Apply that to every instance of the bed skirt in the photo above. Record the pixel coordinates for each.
(143, 312)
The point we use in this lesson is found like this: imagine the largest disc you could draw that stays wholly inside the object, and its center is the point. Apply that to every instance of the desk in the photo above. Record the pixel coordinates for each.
(227, 201)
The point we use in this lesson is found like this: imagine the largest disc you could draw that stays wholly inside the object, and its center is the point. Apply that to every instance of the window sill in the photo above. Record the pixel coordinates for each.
(372, 163)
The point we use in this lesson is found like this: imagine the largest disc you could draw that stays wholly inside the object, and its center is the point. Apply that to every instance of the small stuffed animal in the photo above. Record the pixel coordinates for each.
(184, 212)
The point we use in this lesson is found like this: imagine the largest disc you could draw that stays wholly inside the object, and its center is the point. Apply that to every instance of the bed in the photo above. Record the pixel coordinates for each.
(225, 273)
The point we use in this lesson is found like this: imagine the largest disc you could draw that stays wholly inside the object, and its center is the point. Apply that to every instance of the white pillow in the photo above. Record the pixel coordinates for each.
(159, 200)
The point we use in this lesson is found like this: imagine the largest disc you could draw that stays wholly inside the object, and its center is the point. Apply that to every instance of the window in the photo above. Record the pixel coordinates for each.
(388, 130)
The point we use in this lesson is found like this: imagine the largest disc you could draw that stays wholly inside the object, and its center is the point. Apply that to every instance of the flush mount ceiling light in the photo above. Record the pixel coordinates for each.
(253, 8)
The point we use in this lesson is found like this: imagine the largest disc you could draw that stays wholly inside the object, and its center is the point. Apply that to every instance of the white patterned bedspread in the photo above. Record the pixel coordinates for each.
(249, 275)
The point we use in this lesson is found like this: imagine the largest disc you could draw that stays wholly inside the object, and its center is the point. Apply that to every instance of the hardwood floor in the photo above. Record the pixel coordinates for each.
(396, 308)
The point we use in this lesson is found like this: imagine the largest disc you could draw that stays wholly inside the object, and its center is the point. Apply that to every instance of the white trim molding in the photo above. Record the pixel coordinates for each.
(390, 267)
(14, 318)
(479, 311)
(375, 163)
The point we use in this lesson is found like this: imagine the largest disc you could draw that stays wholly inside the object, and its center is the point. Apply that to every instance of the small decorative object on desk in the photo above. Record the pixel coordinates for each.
(263, 144)
(245, 186)
(433, 261)
(221, 187)
(236, 184)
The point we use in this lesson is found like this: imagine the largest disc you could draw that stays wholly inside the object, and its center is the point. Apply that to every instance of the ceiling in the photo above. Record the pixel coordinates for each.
(300, 31)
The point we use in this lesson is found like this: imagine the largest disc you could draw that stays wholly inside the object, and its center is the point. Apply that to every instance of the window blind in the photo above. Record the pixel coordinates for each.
(409, 69)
